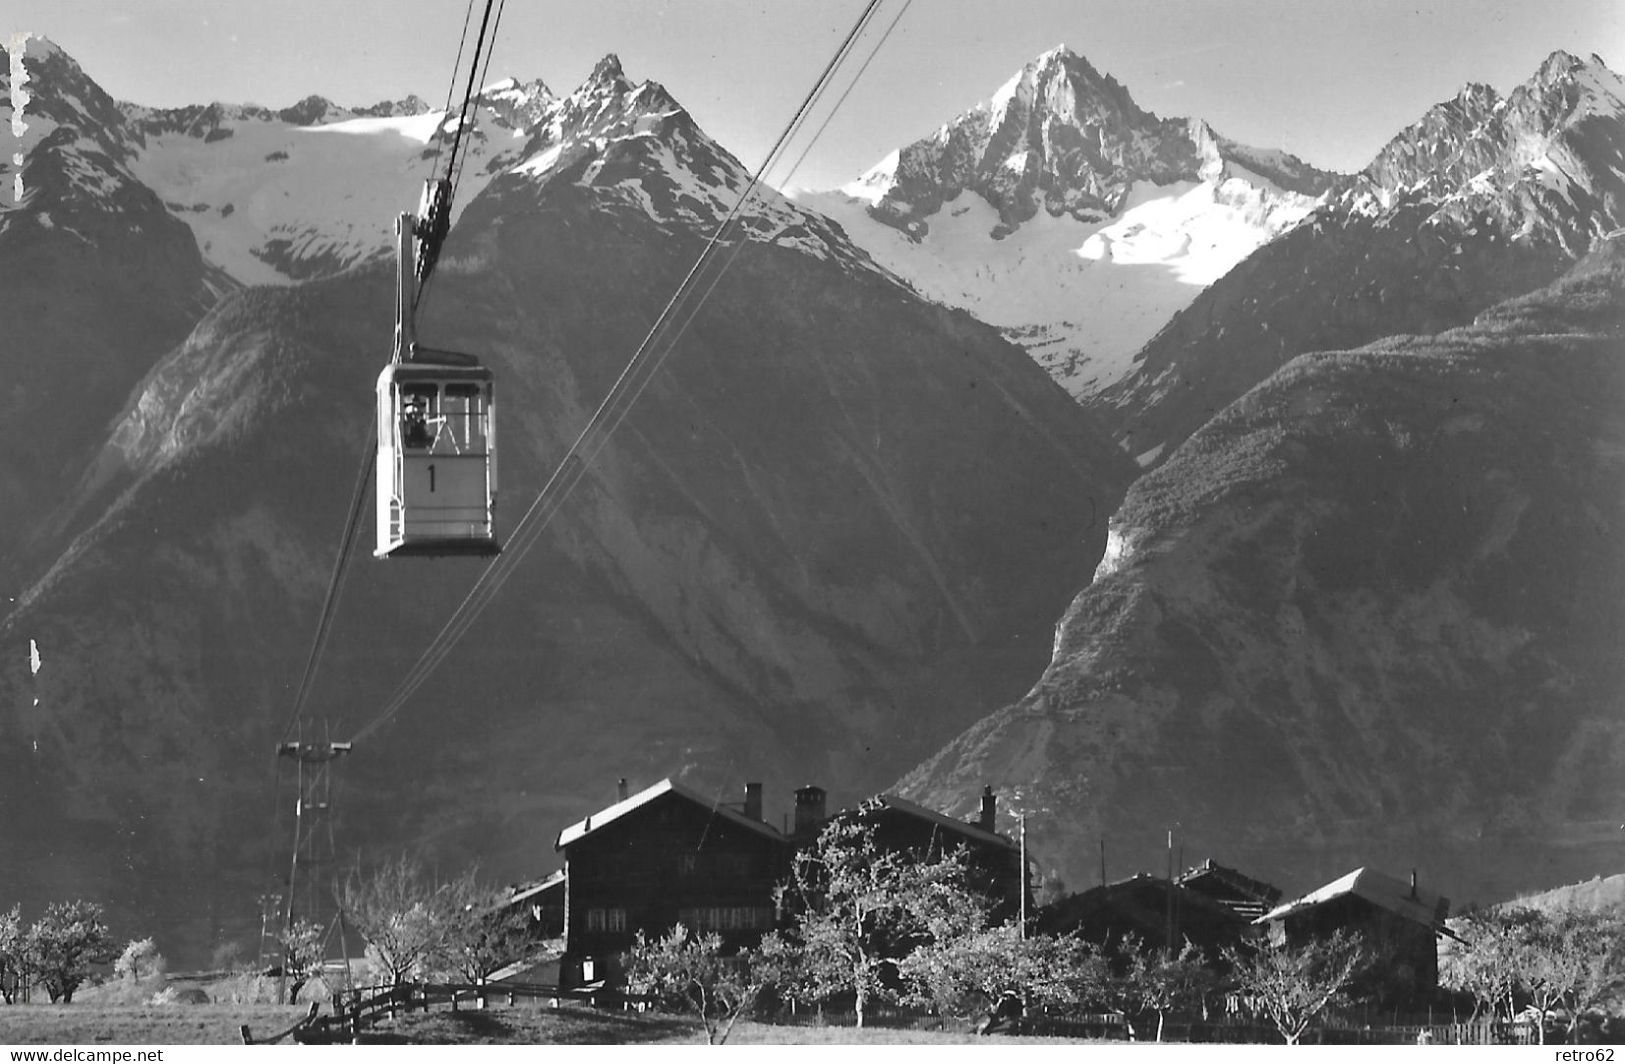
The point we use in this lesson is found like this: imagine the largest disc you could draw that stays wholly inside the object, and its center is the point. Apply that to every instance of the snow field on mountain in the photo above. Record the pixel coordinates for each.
(331, 191)
(1081, 297)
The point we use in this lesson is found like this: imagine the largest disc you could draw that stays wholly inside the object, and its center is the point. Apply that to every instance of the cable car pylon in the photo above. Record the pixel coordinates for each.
(313, 848)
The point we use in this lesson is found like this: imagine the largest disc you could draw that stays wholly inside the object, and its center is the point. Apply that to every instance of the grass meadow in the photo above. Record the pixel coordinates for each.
(218, 1024)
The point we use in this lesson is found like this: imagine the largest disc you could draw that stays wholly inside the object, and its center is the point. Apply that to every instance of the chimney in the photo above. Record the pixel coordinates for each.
(620, 790)
(990, 805)
(809, 809)
(753, 800)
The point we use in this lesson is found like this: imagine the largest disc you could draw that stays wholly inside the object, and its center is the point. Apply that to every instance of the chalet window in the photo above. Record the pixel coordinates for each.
(606, 919)
(727, 918)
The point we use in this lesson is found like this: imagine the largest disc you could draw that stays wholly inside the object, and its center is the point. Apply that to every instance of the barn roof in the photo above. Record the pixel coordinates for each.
(1385, 891)
(609, 814)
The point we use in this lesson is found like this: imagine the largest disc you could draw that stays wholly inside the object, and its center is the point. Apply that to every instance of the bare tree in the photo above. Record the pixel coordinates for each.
(974, 972)
(303, 952)
(690, 972)
(1570, 959)
(13, 954)
(403, 915)
(140, 960)
(1162, 980)
(1486, 959)
(1293, 985)
(859, 909)
(483, 933)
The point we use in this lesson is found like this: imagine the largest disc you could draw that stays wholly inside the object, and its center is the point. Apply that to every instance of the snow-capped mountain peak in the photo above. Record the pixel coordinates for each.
(1062, 211)
(1542, 164)
(635, 146)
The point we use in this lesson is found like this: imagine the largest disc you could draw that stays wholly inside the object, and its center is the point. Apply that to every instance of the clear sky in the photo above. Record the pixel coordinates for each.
(1330, 80)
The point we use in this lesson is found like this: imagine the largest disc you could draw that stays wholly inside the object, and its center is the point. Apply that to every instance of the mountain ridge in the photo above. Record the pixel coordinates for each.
(1427, 236)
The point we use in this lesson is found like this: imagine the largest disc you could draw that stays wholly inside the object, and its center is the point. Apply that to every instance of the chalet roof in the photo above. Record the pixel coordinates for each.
(526, 891)
(609, 814)
(1385, 891)
(902, 805)
(1242, 884)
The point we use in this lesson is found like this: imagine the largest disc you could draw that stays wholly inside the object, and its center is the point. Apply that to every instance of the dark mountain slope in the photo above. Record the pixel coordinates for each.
(838, 526)
(1370, 614)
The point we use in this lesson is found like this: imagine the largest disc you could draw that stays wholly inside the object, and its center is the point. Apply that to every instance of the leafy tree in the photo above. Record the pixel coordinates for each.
(139, 960)
(304, 949)
(689, 973)
(13, 954)
(1162, 980)
(859, 909)
(1293, 985)
(65, 943)
(402, 914)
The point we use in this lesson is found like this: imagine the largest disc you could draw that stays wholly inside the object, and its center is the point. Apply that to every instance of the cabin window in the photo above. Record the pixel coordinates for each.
(420, 415)
(462, 428)
(606, 919)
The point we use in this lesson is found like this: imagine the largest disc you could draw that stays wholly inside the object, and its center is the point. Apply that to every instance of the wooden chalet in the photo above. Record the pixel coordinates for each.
(1399, 921)
(1247, 897)
(669, 855)
(664, 856)
(994, 860)
(1157, 911)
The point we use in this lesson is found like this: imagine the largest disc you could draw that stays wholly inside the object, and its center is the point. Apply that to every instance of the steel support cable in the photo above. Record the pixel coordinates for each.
(454, 165)
(468, 93)
(567, 475)
(573, 466)
(335, 580)
(318, 646)
(451, 84)
(485, 75)
(819, 132)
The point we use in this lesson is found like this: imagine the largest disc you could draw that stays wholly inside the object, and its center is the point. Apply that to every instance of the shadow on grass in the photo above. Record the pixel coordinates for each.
(525, 1026)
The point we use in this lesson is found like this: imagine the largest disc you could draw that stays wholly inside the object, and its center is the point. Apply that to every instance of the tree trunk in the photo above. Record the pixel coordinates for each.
(860, 999)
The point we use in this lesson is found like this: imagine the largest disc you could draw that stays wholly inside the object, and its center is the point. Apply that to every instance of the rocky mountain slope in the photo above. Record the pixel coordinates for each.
(1368, 614)
(839, 524)
(1064, 213)
(1481, 199)
(97, 279)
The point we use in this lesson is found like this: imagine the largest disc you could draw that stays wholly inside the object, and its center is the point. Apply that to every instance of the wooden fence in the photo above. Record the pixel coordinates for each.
(355, 1011)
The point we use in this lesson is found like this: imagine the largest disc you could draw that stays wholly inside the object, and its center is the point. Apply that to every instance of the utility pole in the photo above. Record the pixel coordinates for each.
(268, 904)
(1021, 819)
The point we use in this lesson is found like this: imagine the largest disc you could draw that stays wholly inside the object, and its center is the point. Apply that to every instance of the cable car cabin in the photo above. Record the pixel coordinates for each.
(437, 466)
